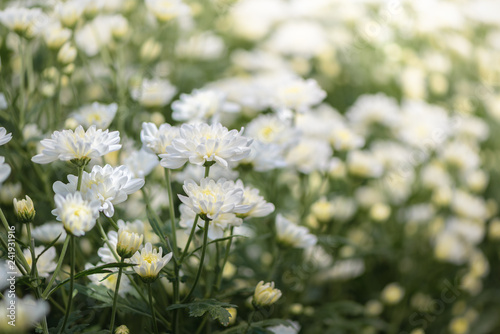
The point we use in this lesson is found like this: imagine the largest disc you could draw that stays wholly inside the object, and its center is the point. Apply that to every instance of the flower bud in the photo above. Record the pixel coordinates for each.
(265, 294)
(128, 243)
(122, 330)
(66, 54)
(24, 210)
(150, 50)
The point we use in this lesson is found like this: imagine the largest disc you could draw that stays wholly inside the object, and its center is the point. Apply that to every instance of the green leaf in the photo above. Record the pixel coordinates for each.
(52, 243)
(216, 309)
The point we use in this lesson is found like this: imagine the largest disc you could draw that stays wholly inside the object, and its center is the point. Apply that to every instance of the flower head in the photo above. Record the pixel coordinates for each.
(251, 197)
(79, 146)
(23, 21)
(203, 143)
(24, 210)
(77, 214)
(45, 263)
(166, 10)
(156, 139)
(216, 226)
(153, 93)
(211, 199)
(128, 243)
(265, 294)
(298, 95)
(28, 312)
(149, 262)
(293, 235)
(98, 114)
(4, 136)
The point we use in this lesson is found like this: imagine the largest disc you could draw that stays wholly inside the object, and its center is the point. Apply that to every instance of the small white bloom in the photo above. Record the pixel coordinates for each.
(45, 263)
(265, 294)
(28, 313)
(4, 136)
(251, 197)
(67, 145)
(201, 143)
(128, 243)
(364, 164)
(24, 209)
(373, 109)
(141, 162)
(310, 155)
(293, 235)
(23, 21)
(165, 10)
(282, 329)
(195, 172)
(69, 12)
(153, 93)
(269, 129)
(77, 214)
(149, 262)
(47, 233)
(216, 227)
(298, 95)
(4, 170)
(67, 54)
(100, 115)
(264, 157)
(205, 46)
(344, 139)
(201, 105)
(107, 184)
(109, 281)
(55, 35)
(210, 198)
(156, 139)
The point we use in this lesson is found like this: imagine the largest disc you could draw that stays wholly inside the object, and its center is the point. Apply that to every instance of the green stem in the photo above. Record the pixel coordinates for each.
(150, 292)
(188, 243)
(112, 222)
(58, 267)
(202, 259)
(71, 283)
(19, 252)
(22, 90)
(115, 299)
(80, 174)
(226, 256)
(250, 318)
(171, 209)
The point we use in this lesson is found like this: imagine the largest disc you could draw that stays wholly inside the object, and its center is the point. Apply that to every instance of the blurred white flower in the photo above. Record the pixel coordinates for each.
(216, 226)
(298, 95)
(77, 214)
(4, 136)
(109, 280)
(204, 46)
(293, 235)
(211, 198)
(3, 100)
(100, 115)
(343, 138)
(153, 93)
(265, 157)
(195, 172)
(4, 170)
(364, 164)
(310, 155)
(45, 264)
(269, 129)
(294, 328)
(69, 12)
(149, 262)
(467, 205)
(67, 145)
(251, 197)
(67, 54)
(107, 184)
(28, 312)
(48, 232)
(156, 139)
(23, 21)
(165, 10)
(55, 35)
(373, 109)
(202, 105)
(141, 162)
(202, 143)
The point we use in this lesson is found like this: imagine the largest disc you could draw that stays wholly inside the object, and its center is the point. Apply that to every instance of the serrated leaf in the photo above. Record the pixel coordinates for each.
(215, 308)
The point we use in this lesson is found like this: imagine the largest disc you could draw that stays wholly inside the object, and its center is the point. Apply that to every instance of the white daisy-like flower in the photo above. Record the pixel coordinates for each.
(149, 262)
(109, 281)
(269, 129)
(211, 198)
(79, 145)
(156, 139)
(23, 21)
(4, 136)
(141, 162)
(298, 95)
(251, 197)
(69, 12)
(55, 35)
(309, 155)
(293, 235)
(216, 227)
(264, 157)
(201, 143)
(47, 233)
(77, 214)
(4, 170)
(107, 184)
(153, 93)
(98, 114)
(201, 105)
(166, 10)
(45, 263)
(28, 313)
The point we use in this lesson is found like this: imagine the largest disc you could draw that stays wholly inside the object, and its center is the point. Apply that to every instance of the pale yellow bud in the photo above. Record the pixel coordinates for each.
(265, 294)
(122, 330)
(66, 54)
(392, 294)
(380, 212)
(373, 308)
(459, 326)
(128, 243)
(494, 229)
(322, 210)
(150, 50)
(24, 210)
(232, 318)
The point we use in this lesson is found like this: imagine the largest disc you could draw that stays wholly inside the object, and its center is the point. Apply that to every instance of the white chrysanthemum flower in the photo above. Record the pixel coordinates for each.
(109, 280)
(364, 164)
(343, 139)
(156, 139)
(202, 105)
(469, 206)
(55, 35)
(99, 33)
(310, 155)
(251, 197)
(4, 170)
(210, 198)
(45, 263)
(69, 12)
(165, 10)
(141, 162)
(23, 21)
(107, 184)
(128, 243)
(67, 145)
(201, 143)
(100, 115)
(77, 214)
(298, 95)
(265, 157)
(4, 136)
(149, 262)
(461, 155)
(265, 294)
(48, 232)
(216, 226)
(373, 109)
(293, 235)
(153, 93)
(105, 253)
(28, 312)
(269, 129)
(205, 46)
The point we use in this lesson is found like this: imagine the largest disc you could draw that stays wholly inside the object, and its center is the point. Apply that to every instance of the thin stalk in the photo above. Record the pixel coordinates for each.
(150, 292)
(202, 259)
(58, 267)
(250, 318)
(226, 256)
(22, 89)
(71, 283)
(188, 243)
(171, 209)
(115, 299)
(112, 222)
(19, 252)
(80, 173)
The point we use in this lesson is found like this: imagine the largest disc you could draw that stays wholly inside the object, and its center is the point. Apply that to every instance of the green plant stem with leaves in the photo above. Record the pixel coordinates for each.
(153, 313)
(71, 281)
(115, 298)
(202, 259)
